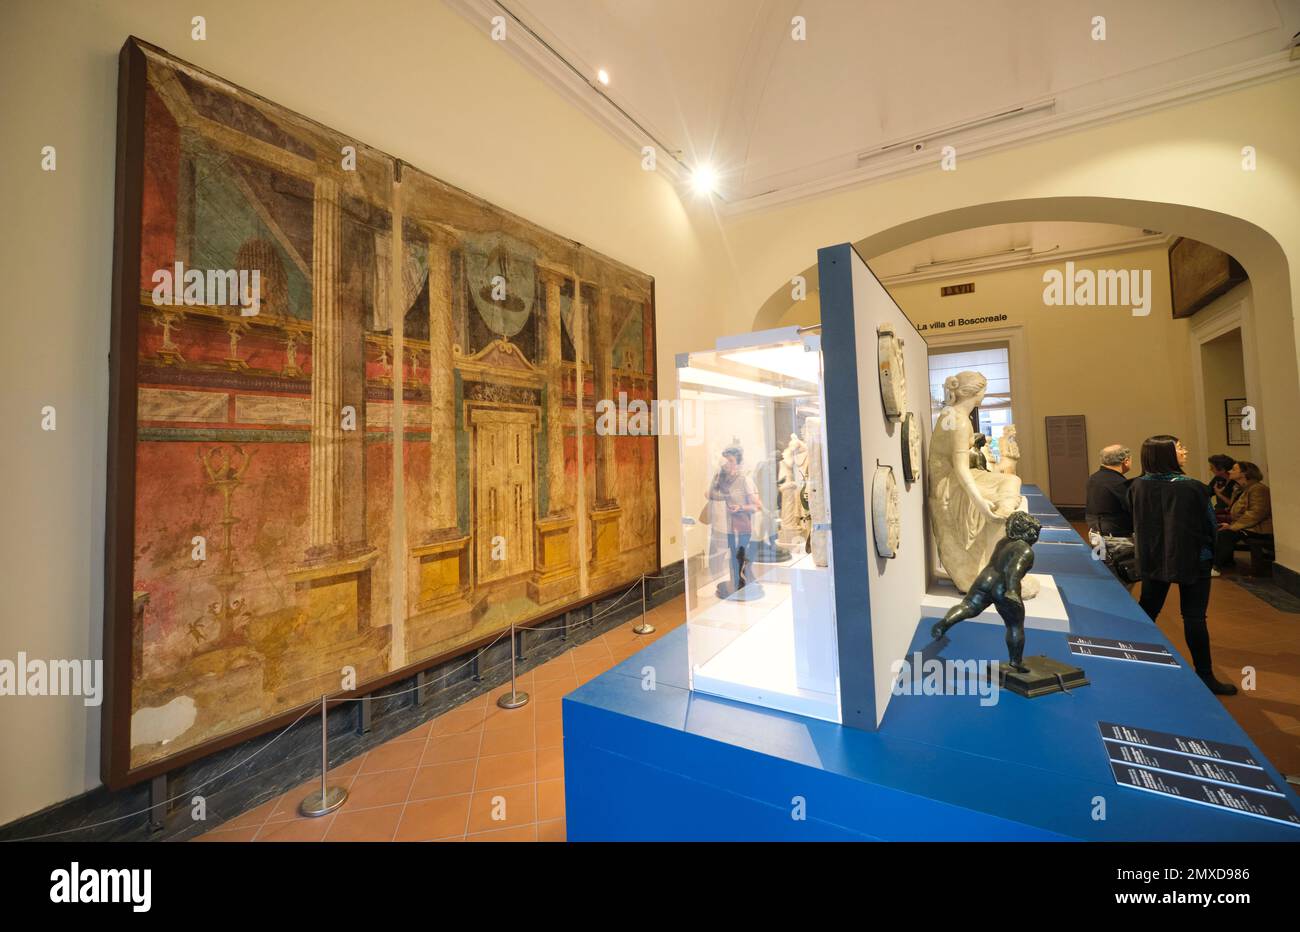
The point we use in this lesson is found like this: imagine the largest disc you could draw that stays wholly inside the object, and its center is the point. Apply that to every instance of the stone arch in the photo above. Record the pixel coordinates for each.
(1255, 248)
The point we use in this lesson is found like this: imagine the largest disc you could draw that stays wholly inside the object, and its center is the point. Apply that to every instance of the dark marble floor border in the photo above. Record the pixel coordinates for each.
(267, 766)
(1287, 579)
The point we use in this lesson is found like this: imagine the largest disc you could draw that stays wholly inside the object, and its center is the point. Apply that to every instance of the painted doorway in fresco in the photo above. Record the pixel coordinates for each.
(503, 494)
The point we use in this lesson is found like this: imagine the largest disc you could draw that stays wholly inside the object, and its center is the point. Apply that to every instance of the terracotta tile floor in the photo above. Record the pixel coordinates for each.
(1246, 631)
(475, 773)
(482, 773)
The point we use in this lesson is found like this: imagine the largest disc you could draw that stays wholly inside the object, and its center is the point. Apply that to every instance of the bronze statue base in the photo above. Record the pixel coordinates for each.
(1042, 675)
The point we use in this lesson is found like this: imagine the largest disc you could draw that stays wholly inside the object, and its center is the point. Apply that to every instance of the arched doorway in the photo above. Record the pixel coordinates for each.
(1255, 248)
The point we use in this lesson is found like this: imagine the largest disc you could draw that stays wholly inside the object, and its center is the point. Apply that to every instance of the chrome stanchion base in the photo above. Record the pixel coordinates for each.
(644, 628)
(512, 700)
(313, 806)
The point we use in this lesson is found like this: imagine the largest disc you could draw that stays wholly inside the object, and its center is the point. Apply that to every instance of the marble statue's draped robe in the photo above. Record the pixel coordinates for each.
(964, 536)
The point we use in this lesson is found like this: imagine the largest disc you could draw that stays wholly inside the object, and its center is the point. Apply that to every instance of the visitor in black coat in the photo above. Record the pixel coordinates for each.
(1173, 530)
(1107, 510)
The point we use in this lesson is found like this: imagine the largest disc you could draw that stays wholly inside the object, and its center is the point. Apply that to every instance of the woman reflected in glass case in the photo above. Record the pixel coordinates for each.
(733, 501)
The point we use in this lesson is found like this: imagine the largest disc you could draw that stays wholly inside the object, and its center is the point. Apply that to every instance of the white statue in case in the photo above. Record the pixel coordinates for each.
(1010, 451)
(793, 474)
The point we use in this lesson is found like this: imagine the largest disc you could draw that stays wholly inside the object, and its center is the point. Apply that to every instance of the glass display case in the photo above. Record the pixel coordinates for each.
(756, 523)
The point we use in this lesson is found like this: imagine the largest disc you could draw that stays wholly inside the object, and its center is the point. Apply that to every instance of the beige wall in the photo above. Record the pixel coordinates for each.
(1129, 376)
(408, 76)
(1225, 377)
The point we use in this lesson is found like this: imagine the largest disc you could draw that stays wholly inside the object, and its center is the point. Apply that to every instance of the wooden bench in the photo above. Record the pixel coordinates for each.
(1261, 554)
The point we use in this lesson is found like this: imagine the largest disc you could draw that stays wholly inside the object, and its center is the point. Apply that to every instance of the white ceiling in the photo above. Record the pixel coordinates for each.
(723, 79)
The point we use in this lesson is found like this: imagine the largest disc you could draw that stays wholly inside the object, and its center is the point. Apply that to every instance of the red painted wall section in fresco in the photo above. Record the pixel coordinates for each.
(162, 155)
(379, 524)
(415, 475)
(175, 501)
(206, 340)
(634, 459)
(571, 464)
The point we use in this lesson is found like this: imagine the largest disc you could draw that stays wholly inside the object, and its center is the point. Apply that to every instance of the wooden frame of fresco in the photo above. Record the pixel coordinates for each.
(123, 629)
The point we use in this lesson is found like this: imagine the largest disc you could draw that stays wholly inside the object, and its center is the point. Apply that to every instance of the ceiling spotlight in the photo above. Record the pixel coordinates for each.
(704, 180)
(603, 77)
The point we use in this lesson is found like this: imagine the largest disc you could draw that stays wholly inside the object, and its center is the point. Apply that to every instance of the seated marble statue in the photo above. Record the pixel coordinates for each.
(999, 584)
(968, 507)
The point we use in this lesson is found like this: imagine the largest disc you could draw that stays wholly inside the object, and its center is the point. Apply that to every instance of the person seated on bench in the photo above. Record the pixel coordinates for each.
(1107, 509)
(1221, 487)
(1250, 517)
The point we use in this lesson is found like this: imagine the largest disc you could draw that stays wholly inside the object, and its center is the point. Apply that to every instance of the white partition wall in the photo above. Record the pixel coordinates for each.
(877, 599)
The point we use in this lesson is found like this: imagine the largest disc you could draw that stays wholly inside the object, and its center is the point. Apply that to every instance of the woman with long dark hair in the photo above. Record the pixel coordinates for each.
(1173, 531)
(735, 492)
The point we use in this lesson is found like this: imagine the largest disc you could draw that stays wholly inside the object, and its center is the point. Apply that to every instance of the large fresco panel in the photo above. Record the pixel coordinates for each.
(304, 314)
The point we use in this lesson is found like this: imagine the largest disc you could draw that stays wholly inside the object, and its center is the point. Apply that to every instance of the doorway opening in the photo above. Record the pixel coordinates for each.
(993, 360)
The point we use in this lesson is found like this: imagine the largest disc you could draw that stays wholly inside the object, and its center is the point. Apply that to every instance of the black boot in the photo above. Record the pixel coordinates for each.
(1218, 687)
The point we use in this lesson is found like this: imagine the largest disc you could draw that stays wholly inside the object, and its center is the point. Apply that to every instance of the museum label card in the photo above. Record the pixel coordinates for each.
(1186, 766)
(1160, 740)
(1234, 799)
(1133, 651)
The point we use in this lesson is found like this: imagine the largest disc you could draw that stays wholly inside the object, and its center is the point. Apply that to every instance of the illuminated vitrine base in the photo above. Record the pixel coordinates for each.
(780, 658)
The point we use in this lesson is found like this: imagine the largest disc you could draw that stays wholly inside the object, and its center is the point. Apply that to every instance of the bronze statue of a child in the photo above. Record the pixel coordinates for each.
(999, 584)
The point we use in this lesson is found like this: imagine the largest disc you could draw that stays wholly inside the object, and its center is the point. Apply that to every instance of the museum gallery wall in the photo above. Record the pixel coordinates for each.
(252, 557)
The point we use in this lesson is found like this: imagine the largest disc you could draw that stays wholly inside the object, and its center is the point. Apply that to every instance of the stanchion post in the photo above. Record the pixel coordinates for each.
(158, 803)
(513, 699)
(645, 627)
(328, 798)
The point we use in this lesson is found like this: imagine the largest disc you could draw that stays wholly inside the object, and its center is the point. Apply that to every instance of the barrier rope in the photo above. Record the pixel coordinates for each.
(165, 802)
(314, 706)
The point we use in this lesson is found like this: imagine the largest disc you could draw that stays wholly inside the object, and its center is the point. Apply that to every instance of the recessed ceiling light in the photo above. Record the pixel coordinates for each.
(704, 179)
(602, 76)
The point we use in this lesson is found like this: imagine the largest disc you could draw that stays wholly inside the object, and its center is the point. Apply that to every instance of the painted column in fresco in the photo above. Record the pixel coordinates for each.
(606, 563)
(326, 373)
(553, 570)
(602, 351)
(553, 281)
(441, 549)
(442, 381)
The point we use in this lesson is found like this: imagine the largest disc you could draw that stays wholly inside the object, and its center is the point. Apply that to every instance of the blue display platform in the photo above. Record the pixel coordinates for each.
(666, 763)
